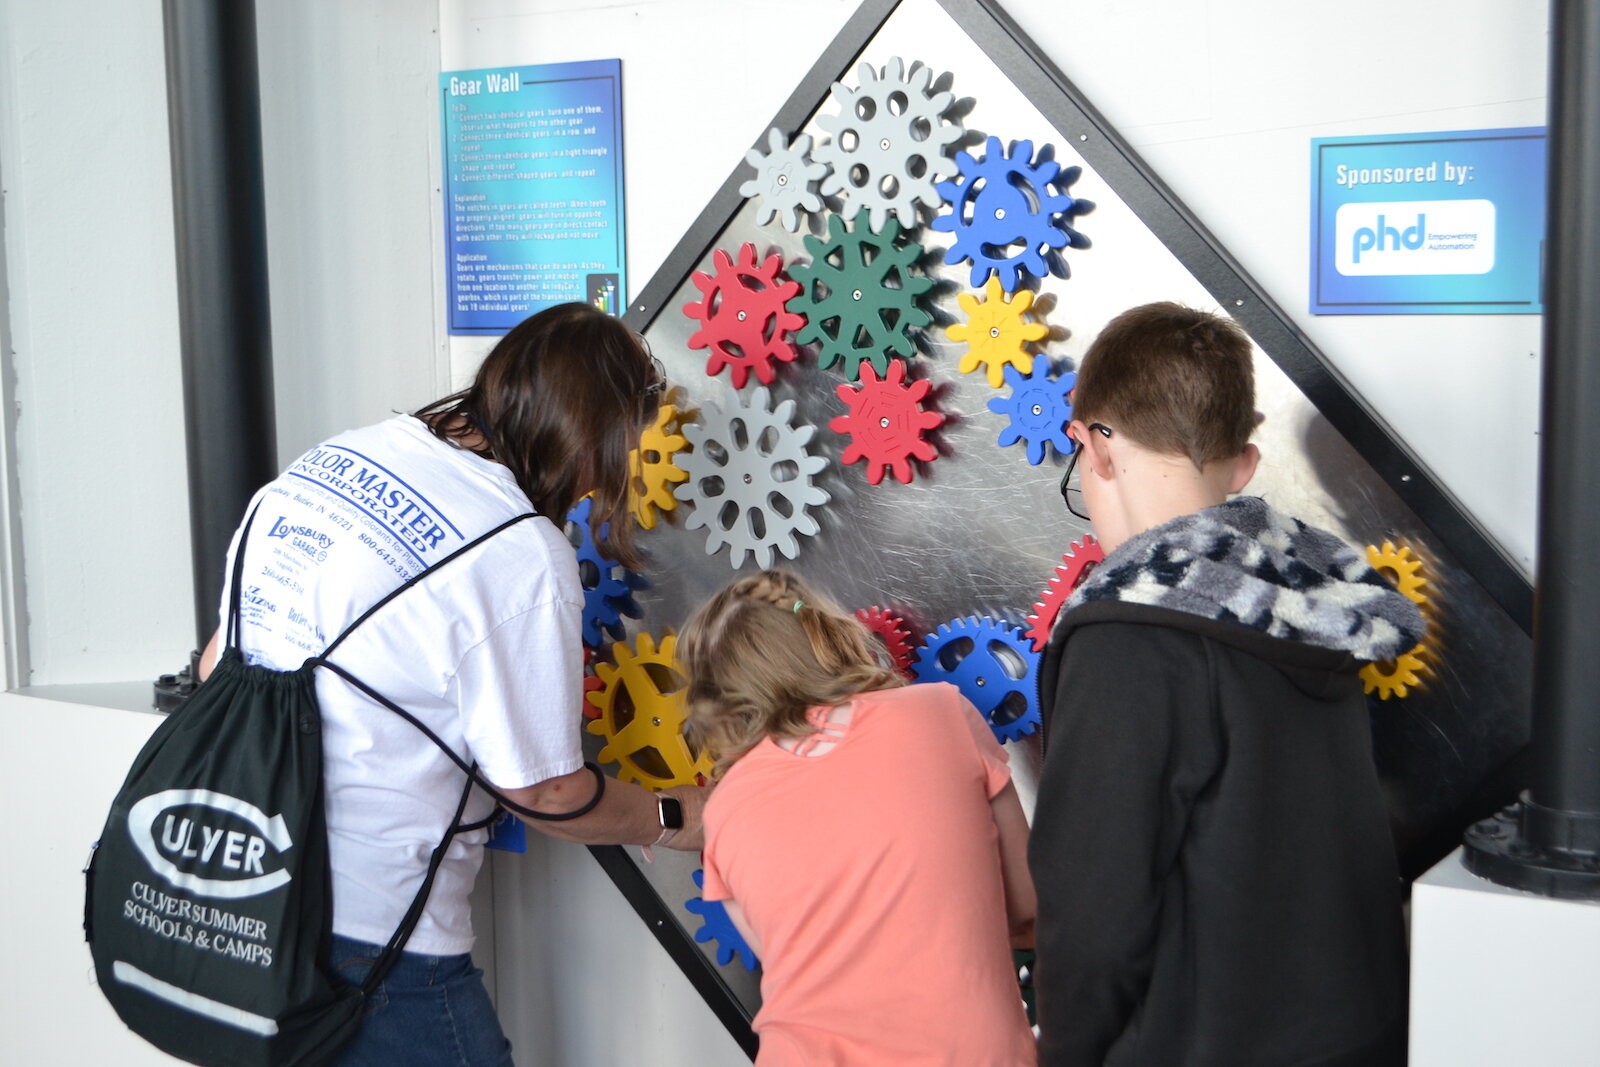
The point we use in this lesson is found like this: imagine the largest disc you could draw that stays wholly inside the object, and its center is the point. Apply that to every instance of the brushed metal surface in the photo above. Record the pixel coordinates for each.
(979, 531)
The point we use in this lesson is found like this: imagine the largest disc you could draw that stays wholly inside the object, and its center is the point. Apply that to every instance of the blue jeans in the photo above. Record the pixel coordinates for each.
(431, 1011)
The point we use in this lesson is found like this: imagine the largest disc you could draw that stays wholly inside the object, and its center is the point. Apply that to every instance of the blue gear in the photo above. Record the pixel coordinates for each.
(1038, 408)
(719, 928)
(608, 587)
(1004, 214)
(1000, 662)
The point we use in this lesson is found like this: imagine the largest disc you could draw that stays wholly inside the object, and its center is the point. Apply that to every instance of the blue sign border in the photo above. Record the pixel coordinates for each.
(548, 231)
(1503, 167)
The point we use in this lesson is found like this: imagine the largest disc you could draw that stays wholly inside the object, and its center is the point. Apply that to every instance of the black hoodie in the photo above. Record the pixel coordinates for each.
(1217, 883)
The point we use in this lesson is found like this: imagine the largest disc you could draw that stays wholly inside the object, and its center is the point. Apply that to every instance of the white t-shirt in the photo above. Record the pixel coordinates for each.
(487, 653)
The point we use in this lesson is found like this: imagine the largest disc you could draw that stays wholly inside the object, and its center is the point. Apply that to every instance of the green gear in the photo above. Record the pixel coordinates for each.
(850, 308)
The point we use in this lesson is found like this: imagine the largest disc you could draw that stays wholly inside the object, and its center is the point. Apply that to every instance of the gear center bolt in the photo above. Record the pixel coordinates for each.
(883, 145)
(1038, 409)
(748, 479)
(994, 331)
(999, 213)
(856, 295)
(884, 422)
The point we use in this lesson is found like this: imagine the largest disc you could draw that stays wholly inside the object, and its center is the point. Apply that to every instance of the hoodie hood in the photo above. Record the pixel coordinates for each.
(1242, 562)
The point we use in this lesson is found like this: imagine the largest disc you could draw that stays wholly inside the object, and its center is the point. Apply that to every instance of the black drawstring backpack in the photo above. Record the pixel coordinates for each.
(208, 903)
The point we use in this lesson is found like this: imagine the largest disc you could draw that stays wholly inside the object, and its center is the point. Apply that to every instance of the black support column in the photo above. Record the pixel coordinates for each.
(1550, 842)
(214, 120)
(219, 215)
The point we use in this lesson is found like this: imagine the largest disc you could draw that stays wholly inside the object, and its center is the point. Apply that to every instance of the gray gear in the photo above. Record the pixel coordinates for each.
(786, 179)
(734, 480)
(879, 160)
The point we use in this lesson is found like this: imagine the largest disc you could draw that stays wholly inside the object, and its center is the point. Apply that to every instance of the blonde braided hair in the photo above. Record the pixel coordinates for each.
(762, 652)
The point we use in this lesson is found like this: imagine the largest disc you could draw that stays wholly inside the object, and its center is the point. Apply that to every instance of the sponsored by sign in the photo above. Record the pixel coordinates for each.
(533, 206)
(1428, 223)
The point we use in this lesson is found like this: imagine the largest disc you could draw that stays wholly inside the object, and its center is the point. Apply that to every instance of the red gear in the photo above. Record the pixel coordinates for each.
(894, 632)
(742, 316)
(1075, 566)
(886, 422)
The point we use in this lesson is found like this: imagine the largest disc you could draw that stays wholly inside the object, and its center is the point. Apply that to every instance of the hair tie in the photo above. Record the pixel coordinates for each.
(798, 604)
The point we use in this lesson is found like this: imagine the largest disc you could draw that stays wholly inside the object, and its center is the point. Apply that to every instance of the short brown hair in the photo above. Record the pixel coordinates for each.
(1176, 380)
(562, 399)
(761, 653)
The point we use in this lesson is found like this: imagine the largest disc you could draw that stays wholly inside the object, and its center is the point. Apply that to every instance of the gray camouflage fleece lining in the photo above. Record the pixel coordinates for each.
(1243, 562)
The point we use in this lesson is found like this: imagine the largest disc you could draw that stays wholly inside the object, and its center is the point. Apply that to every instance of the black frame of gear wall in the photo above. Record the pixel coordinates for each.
(1049, 90)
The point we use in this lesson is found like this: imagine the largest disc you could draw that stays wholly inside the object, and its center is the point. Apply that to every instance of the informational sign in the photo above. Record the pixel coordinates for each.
(1428, 223)
(533, 202)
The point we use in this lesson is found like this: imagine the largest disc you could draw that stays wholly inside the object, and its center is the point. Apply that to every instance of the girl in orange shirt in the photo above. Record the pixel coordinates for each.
(864, 835)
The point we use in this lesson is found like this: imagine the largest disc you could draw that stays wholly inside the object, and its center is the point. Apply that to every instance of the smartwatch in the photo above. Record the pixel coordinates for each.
(670, 811)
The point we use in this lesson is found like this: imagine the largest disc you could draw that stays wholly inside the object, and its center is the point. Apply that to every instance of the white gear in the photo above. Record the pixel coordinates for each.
(786, 179)
(878, 159)
(733, 470)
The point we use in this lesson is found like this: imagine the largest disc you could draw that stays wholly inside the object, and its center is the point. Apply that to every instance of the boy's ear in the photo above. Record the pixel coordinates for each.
(1244, 468)
(1098, 454)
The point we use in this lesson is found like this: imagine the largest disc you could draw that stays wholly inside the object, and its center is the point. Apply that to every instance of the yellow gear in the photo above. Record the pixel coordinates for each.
(642, 714)
(651, 470)
(1394, 677)
(1400, 567)
(995, 333)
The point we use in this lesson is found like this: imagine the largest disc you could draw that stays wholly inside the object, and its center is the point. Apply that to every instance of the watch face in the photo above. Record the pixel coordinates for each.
(671, 812)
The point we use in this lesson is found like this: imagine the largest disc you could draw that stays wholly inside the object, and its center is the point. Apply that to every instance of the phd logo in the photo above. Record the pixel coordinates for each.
(210, 843)
(1383, 237)
(1415, 237)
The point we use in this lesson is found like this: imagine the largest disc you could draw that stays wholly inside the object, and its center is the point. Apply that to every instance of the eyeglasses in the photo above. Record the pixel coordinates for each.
(658, 383)
(1069, 490)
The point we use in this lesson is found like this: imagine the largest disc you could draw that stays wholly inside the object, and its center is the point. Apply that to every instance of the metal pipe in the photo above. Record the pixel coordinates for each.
(1566, 683)
(219, 212)
(1550, 843)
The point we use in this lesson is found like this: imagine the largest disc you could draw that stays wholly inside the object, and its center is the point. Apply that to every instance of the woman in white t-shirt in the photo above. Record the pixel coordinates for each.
(487, 653)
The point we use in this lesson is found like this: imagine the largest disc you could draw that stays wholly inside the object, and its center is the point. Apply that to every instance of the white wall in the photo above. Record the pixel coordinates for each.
(60, 765)
(1221, 98)
(349, 120)
(102, 506)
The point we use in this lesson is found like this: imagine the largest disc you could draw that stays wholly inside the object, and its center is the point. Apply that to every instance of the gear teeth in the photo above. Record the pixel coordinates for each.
(1004, 200)
(716, 926)
(848, 307)
(1407, 671)
(786, 179)
(998, 672)
(995, 332)
(1402, 568)
(742, 315)
(1039, 410)
(886, 423)
(651, 469)
(608, 587)
(733, 479)
(884, 160)
(1396, 677)
(1076, 563)
(641, 724)
(895, 634)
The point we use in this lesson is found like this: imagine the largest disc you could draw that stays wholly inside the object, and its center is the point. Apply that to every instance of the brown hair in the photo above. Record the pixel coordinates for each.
(1175, 380)
(763, 651)
(562, 400)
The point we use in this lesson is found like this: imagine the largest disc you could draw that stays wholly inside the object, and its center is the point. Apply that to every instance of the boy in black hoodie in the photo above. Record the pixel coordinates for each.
(1217, 883)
